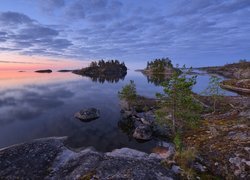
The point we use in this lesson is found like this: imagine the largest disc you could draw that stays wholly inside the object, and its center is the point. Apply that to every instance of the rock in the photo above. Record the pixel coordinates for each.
(162, 131)
(127, 114)
(199, 167)
(50, 159)
(127, 152)
(176, 169)
(143, 132)
(146, 118)
(240, 136)
(245, 113)
(144, 121)
(44, 71)
(239, 70)
(137, 123)
(240, 167)
(124, 105)
(241, 86)
(164, 150)
(213, 131)
(88, 114)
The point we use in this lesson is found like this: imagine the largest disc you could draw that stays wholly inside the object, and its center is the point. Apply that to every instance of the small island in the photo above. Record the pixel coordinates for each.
(160, 66)
(110, 71)
(44, 71)
(159, 70)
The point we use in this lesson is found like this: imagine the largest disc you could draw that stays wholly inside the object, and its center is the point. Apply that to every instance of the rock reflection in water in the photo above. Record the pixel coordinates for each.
(107, 78)
(157, 79)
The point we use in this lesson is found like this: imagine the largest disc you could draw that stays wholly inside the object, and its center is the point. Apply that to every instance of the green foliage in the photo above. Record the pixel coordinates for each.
(102, 63)
(184, 159)
(178, 142)
(159, 65)
(128, 92)
(178, 99)
(214, 90)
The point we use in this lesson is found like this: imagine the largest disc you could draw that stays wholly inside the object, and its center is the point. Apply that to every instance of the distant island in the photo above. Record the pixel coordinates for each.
(111, 70)
(44, 71)
(64, 70)
(159, 70)
(160, 66)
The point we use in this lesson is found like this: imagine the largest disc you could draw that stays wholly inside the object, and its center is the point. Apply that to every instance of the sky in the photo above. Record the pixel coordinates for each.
(69, 32)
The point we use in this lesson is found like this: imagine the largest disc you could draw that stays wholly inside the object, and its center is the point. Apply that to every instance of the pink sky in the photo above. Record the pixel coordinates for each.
(17, 62)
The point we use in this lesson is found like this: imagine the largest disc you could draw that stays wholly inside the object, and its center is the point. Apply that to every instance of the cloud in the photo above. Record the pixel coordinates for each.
(19, 62)
(93, 10)
(14, 18)
(212, 7)
(27, 36)
(51, 5)
(92, 29)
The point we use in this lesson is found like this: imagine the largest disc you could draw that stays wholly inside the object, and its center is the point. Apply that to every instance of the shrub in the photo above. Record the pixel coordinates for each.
(128, 92)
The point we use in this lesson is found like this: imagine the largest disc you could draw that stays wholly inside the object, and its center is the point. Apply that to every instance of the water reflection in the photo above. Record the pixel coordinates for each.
(43, 105)
(102, 78)
(109, 78)
(157, 79)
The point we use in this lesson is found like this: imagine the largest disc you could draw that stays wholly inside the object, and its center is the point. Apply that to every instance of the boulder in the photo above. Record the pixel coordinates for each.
(146, 118)
(143, 132)
(88, 114)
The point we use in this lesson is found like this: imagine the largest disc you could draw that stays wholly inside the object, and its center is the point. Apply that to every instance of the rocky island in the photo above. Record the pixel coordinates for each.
(111, 71)
(160, 66)
(159, 70)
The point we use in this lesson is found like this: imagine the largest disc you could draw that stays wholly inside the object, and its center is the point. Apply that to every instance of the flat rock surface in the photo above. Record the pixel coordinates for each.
(50, 159)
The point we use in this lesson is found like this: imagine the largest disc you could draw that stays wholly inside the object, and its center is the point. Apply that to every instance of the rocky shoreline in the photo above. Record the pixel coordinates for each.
(50, 159)
(239, 70)
(240, 86)
(220, 141)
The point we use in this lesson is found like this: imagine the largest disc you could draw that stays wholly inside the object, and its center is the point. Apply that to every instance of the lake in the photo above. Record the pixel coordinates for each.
(34, 105)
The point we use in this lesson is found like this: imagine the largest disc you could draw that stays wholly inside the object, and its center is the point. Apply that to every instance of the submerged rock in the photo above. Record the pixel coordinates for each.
(50, 159)
(88, 114)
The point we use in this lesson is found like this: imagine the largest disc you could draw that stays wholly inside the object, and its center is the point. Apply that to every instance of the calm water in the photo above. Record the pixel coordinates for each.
(36, 105)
